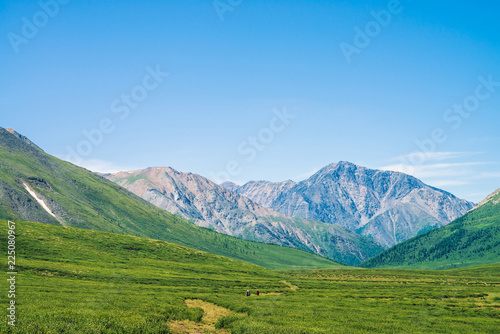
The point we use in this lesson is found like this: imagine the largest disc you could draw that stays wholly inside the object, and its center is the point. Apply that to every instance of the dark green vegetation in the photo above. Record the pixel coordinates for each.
(81, 281)
(80, 198)
(472, 239)
(333, 240)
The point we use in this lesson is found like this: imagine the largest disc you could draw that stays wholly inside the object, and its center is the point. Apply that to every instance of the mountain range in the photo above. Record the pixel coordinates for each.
(389, 207)
(207, 204)
(353, 205)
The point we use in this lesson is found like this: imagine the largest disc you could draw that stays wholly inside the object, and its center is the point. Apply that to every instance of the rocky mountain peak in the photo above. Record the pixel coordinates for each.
(387, 206)
(10, 138)
(493, 197)
(339, 168)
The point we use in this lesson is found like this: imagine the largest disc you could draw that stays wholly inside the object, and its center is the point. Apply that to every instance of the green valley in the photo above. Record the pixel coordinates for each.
(81, 281)
(250, 167)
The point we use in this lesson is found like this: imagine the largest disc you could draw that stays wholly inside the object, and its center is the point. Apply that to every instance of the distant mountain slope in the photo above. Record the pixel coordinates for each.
(209, 205)
(389, 207)
(473, 239)
(264, 192)
(35, 186)
(229, 185)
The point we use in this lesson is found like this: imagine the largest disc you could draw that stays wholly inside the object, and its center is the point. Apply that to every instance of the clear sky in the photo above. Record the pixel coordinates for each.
(269, 90)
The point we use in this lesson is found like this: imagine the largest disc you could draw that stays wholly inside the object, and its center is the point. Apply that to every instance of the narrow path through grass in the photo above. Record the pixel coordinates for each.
(211, 313)
(290, 286)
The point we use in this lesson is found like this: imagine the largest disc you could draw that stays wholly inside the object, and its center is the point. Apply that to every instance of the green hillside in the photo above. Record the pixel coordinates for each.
(80, 198)
(473, 239)
(82, 281)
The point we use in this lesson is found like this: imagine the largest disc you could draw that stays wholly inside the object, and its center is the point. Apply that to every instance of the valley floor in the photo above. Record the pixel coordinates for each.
(81, 281)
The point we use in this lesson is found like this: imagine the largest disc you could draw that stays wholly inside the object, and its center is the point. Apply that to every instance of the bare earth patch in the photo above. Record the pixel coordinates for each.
(290, 286)
(211, 313)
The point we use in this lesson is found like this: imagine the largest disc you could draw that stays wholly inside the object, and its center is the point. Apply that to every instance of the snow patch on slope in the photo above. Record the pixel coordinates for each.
(39, 200)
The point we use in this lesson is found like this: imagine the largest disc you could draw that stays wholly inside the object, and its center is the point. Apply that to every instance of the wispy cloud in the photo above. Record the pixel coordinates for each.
(305, 175)
(101, 166)
(439, 170)
(435, 170)
(423, 157)
(479, 196)
(487, 175)
(447, 183)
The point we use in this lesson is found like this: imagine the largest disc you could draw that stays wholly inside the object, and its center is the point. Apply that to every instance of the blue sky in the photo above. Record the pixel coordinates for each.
(259, 89)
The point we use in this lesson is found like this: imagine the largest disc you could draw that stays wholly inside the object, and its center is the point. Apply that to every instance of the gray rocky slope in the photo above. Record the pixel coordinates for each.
(389, 207)
(207, 204)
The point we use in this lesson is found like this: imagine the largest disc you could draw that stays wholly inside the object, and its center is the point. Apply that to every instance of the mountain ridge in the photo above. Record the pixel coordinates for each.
(207, 204)
(388, 206)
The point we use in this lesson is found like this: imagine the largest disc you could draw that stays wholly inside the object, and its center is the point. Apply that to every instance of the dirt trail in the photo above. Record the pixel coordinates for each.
(211, 314)
(290, 286)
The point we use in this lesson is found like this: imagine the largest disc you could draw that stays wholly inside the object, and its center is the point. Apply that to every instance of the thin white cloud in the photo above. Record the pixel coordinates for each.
(478, 196)
(434, 170)
(448, 183)
(101, 166)
(487, 175)
(446, 170)
(305, 175)
(423, 157)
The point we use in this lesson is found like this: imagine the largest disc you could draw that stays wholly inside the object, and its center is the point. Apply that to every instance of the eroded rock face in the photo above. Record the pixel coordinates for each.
(21, 137)
(207, 204)
(264, 192)
(492, 198)
(389, 207)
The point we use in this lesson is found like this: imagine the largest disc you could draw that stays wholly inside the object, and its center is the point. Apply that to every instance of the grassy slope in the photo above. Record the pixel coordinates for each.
(473, 239)
(89, 201)
(82, 281)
